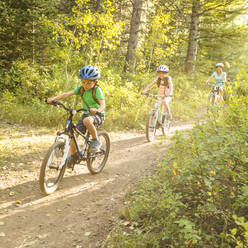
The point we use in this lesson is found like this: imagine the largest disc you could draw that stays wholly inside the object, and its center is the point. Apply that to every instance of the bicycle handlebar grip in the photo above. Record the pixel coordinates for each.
(55, 102)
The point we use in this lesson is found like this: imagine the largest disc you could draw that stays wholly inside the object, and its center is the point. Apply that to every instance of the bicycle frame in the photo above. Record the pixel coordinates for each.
(69, 134)
(214, 93)
(159, 111)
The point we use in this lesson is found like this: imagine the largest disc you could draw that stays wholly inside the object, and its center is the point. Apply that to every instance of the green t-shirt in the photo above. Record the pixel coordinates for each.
(88, 97)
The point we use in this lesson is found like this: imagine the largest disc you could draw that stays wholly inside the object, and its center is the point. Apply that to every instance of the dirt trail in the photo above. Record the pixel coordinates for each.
(80, 213)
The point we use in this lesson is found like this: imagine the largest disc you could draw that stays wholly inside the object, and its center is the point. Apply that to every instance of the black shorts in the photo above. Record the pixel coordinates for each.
(98, 120)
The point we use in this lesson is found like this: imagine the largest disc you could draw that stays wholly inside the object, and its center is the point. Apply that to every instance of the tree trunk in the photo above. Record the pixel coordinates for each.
(134, 35)
(98, 5)
(193, 38)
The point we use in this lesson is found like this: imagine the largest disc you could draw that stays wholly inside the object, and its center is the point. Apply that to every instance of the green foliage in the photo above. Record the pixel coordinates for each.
(45, 43)
(161, 40)
(26, 88)
(30, 83)
(22, 34)
(234, 234)
(86, 31)
(35, 113)
(198, 198)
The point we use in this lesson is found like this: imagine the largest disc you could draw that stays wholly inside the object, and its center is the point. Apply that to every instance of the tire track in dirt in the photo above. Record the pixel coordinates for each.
(80, 213)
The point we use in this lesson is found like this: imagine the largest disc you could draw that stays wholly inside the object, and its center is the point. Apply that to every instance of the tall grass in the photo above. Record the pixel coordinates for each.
(126, 107)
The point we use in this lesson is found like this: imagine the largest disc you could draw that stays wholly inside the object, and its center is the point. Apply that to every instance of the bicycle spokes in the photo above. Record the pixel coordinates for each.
(96, 161)
(151, 125)
(50, 173)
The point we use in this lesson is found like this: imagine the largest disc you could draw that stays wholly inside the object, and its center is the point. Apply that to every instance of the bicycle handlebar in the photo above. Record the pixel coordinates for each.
(156, 96)
(213, 84)
(57, 103)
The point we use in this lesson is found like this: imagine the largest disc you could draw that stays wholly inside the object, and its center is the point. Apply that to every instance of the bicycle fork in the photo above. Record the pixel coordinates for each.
(66, 149)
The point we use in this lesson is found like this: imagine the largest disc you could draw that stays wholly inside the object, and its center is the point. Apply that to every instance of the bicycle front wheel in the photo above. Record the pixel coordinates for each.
(50, 175)
(166, 124)
(151, 125)
(97, 161)
(213, 99)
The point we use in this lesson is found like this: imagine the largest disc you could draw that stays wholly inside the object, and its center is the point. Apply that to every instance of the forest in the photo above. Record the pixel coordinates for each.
(45, 43)
(198, 196)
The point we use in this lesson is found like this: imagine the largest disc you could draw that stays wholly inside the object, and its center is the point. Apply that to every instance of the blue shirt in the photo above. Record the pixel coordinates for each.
(219, 79)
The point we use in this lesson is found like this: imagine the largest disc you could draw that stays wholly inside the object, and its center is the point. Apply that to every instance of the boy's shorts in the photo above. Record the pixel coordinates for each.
(98, 120)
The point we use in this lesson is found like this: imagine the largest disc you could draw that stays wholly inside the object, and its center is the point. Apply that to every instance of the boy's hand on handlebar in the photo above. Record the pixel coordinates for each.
(94, 111)
(49, 100)
(52, 102)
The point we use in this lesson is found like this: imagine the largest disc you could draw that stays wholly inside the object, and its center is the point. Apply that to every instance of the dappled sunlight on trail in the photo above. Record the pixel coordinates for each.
(81, 211)
(57, 196)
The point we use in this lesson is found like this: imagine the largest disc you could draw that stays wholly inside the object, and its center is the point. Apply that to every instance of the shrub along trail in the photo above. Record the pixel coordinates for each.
(81, 212)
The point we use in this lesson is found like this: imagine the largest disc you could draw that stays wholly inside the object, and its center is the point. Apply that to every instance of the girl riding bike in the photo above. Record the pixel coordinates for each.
(220, 79)
(165, 87)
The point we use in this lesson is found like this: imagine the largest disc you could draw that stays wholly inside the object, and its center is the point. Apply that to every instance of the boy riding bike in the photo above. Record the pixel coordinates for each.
(220, 79)
(165, 87)
(93, 99)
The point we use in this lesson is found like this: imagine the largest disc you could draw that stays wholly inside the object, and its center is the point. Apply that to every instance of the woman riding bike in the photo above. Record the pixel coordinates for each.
(220, 79)
(165, 87)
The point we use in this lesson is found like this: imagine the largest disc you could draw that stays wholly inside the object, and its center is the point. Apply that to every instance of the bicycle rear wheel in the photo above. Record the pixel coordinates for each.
(151, 125)
(50, 175)
(96, 162)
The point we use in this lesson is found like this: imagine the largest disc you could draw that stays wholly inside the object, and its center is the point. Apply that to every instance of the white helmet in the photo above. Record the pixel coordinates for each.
(163, 68)
(220, 65)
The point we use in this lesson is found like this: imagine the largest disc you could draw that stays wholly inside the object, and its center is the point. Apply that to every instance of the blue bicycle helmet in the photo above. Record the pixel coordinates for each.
(89, 72)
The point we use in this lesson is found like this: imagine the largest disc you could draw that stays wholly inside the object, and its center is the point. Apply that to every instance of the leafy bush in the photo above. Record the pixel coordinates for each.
(30, 82)
(199, 195)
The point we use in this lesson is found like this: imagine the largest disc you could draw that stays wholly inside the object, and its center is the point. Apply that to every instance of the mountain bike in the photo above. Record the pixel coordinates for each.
(55, 161)
(214, 96)
(157, 118)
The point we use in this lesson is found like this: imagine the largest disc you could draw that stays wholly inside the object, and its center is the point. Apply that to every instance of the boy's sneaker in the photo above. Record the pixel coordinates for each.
(95, 146)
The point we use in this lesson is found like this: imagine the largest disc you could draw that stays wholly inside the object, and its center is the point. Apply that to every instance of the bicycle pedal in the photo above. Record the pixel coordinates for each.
(158, 125)
(53, 167)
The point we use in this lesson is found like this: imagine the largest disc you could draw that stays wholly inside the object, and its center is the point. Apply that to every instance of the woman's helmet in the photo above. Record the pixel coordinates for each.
(89, 72)
(220, 65)
(163, 68)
